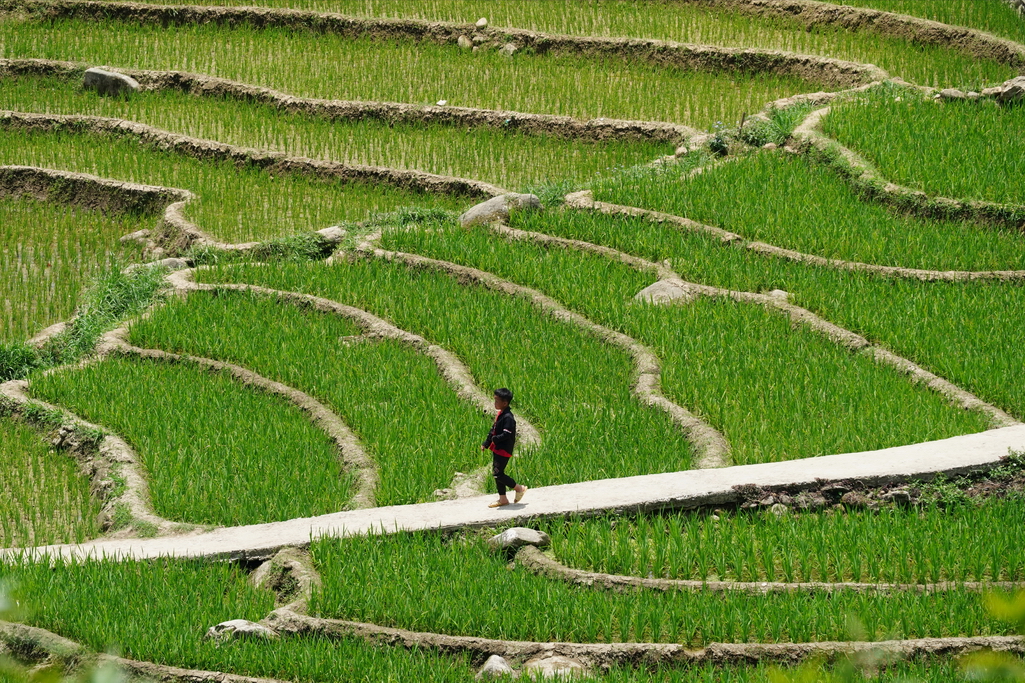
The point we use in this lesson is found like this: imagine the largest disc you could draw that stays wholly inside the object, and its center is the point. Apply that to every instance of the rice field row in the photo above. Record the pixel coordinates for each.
(48, 253)
(964, 150)
(216, 452)
(790, 201)
(966, 332)
(506, 158)
(699, 23)
(157, 611)
(412, 72)
(43, 497)
(993, 16)
(903, 545)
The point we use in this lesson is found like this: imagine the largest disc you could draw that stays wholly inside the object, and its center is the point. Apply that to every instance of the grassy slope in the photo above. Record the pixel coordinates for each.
(49, 254)
(506, 158)
(776, 393)
(43, 497)
(216, 452)
(408, 418)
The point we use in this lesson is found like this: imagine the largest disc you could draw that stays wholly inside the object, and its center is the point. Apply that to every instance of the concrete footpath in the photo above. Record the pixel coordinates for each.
(673, 490)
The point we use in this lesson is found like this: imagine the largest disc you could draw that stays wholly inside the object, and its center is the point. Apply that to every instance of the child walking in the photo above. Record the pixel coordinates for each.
(501, 440)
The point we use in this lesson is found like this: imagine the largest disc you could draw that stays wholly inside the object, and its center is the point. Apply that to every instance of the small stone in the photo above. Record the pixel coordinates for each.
(952, 94)
(109, 82)
(1012, 91)
(779, 294)
(897, 497)
(495, 667)
(332, 234)
(240, 628)
(665, 291)
(464, 42)
(770, 146)
(767, 501)
(810, 500)
(681, 150)
(855, 500)
(498, 208)
(442, 103)
(482, 22)
(479, 39)
(137, 236)
(779, 509)
(714, 518)
(509, 49)
(517, 537)
(784, 498)
(553, 666)
(834, 491)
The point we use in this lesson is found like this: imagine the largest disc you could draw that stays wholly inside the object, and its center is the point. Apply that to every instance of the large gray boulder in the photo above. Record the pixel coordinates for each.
(554, 666)
(498, 208)
(1007, 92)
(109, 82)
(495, 667)
(238, 629)
(517, 537)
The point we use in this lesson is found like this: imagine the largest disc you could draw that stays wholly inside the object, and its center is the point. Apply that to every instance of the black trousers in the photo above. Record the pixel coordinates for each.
(502, 480)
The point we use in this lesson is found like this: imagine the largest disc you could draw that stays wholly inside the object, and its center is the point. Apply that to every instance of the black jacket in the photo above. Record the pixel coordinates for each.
(502, 437)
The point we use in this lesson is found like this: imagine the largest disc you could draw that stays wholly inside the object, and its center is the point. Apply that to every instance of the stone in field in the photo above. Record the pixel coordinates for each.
(464, 42)
(664, 291)
(810, 501)
(482, 23)
(332, 234)
(137, 236)
(509, 49)
(495, 667)
(1008, 91)
(517, 537)
(109, 82)
(238, 629)
(554, 666)
(897, 497)
(855, 500)
(498, 208)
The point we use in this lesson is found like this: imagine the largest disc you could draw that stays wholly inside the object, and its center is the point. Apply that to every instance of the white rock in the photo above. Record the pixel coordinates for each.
(332, 234)
(663, 292)
(498, 208)
(779, 294)
(240, 628)
(517, 537)
(464, 42)
(509, 49)
(108, 82)
(482, 22)
(495, 667)
(554, 666)
(137, 236)
(442, 103)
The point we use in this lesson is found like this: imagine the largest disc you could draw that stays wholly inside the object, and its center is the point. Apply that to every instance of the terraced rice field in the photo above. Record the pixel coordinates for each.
(766, 358)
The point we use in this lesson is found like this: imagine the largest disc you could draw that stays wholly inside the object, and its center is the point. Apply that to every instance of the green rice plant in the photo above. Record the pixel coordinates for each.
(966, 332)
(572, 387)
(410, 421)
(507, 158)
(776, 392)
(216, 452)
(930, 544)
(49, 253)
(43, 497)
(966, 150)
(994, 16)
(427, 582)
(792, 202)
(407, 71)
(697, 22)
(234, 203)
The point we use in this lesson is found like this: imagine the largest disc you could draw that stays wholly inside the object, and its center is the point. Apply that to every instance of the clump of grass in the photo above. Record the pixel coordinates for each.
(376, 386)
(216, 452)
(44, 499)
(732, 363)
(791, 202)
(777, 129)
(552, 367)
(965, 150)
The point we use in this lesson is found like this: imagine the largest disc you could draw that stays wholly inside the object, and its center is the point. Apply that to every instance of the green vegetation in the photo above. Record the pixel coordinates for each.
(234, 203)
(994, 16)
(406, 71)
(216, 452)
(776, 392)
(965, 150)
(791, 202)
(507, 158)
(50, 252)
(695, 22)
(43, 497)
(391, 396)
(426, 582)
(553, 367)
(929, 545)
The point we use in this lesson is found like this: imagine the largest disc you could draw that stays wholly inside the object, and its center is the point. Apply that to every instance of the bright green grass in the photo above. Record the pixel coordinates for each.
(791, 202)
(425, 582)
(158, 611)
(405, 71)
(993, 16)
(216, 451)
(234, 203)
(43, 497)
(552, 367)
(48, 253)
(506, 158)
(391, 396)
(776, 392)
(967, 150)
(687, 22)
(907, 545)
(969, 333)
